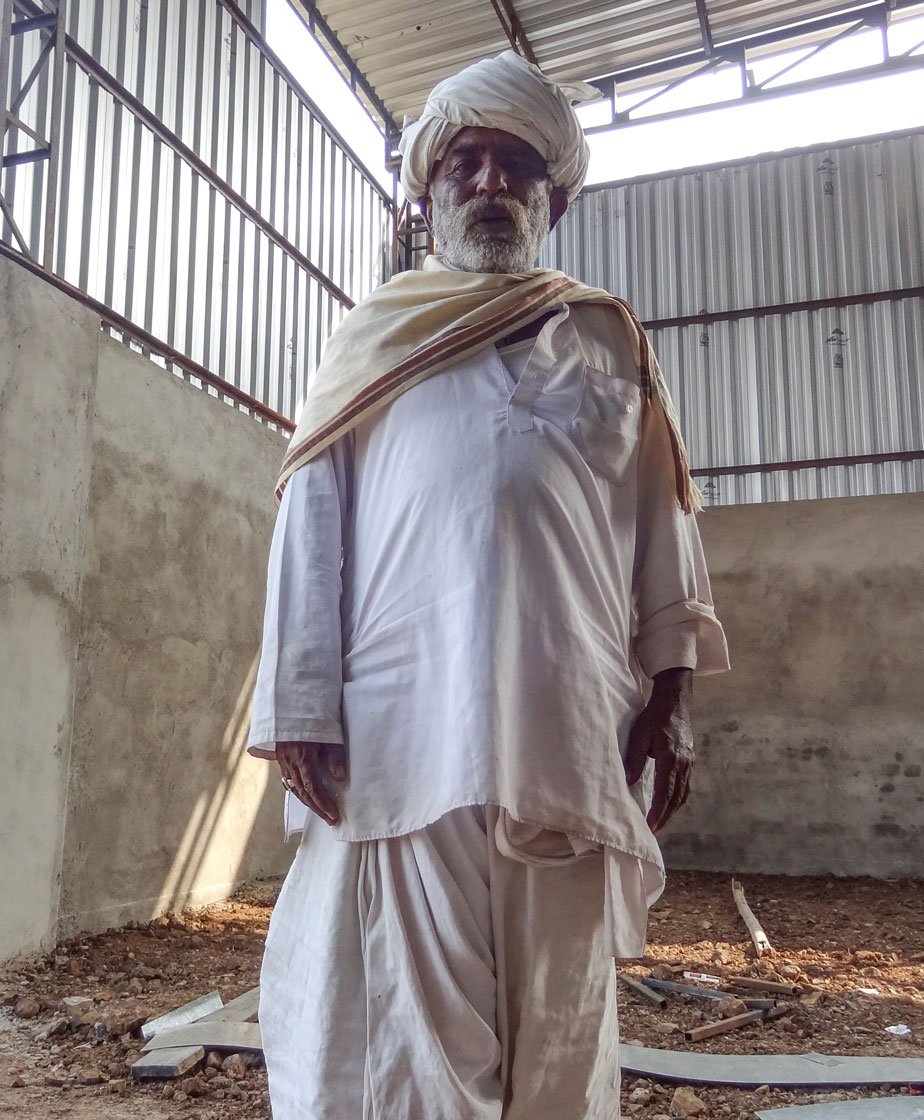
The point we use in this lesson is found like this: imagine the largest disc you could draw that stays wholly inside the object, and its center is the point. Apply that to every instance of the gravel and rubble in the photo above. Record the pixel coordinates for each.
(70, 1022)
(855, 948)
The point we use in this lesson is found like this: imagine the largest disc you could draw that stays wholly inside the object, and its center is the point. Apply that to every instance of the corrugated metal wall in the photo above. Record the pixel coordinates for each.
(159, 239)
(799, 383)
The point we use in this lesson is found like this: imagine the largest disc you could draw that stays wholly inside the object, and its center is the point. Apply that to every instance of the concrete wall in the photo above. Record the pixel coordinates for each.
(135, 516)
(47, 387)
(811, 750)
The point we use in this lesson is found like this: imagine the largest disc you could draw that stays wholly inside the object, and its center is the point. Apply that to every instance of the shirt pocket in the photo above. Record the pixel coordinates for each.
(605, 428)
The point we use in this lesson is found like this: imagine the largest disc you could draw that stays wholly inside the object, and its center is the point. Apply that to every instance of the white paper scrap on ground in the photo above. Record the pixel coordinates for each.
(753, 1070)
(885, 1108)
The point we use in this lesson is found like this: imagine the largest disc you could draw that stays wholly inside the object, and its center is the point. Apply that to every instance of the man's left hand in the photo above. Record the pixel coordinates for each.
(664, 732)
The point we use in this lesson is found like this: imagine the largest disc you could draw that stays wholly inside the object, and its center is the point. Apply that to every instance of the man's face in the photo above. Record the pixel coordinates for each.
(491, 203)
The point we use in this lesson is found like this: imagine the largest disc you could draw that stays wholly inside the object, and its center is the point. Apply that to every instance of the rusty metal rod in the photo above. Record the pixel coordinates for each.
(643, 990)
(809, 464)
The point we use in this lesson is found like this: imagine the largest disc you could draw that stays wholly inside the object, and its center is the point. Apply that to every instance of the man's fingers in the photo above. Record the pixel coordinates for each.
(310, 784)
(669, 794)
(301, 764)
(687, 787)
(288, 770)
(661, 796)
(678, 795)
(335, 757)
(636, 755)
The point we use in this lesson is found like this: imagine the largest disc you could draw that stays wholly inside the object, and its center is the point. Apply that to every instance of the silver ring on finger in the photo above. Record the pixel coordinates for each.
(289, 784)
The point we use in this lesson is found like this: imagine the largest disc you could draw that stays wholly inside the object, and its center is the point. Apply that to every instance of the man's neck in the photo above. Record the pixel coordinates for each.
(528, 331)
(451, 264)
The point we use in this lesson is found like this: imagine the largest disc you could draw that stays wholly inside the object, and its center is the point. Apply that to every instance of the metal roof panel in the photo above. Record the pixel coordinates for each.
(404, 48)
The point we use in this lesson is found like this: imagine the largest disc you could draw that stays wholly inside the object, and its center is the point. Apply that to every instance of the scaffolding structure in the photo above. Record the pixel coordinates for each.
(161, 164)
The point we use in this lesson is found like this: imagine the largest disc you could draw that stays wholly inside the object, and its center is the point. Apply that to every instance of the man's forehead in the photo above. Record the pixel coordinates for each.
(478, 139)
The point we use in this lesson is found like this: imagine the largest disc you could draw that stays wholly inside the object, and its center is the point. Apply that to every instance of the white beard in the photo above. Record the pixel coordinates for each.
(514, 250)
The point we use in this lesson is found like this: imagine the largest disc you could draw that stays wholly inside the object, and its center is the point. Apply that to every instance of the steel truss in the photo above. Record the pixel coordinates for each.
(213, 222)
(412, 238)
(19, 19)
(738, 55)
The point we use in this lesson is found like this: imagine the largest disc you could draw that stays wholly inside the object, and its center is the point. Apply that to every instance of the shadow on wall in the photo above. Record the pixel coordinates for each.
(222, 816)
(137, 516)
(164, 807)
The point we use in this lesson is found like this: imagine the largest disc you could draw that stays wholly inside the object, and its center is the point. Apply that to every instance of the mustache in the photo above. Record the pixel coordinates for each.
(492, 207)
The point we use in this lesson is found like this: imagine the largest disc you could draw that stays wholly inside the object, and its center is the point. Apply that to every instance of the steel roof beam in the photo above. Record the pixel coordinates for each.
(319, 27)
(847, 31)
(704, 28)
(513, 29)
(896, 64)
(867, 14)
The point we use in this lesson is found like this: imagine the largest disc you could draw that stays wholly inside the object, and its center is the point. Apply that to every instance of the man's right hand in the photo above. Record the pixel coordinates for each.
(310, 767)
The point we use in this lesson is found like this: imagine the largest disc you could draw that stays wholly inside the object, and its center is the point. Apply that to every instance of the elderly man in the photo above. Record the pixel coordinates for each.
(486, 599)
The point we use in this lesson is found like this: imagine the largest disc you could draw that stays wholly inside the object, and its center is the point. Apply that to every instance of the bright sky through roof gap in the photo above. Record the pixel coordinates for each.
(717, 134)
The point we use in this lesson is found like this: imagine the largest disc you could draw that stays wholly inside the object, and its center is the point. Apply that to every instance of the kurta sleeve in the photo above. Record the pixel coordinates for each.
(297, 696)
(676, 624)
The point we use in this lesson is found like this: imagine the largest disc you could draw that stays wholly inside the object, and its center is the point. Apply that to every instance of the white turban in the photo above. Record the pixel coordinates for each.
(510, 94)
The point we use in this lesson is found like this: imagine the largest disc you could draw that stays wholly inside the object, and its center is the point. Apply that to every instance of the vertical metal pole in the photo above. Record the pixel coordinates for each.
(396, 263)
(64, 166)
(174, 266)
(245, 259)
(156, 214)
(297, 236)
(6, 21)
(211, 291)
(54, 138)
(310, 193)
(138, 136)
(89, 155)
(227, 299)
(116, 170)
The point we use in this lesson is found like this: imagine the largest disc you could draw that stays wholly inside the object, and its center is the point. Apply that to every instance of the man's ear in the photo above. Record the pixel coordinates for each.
(558, 204)
(426, 208)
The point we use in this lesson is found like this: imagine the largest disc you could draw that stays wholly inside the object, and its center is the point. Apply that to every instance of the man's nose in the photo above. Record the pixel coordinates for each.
(492, 179)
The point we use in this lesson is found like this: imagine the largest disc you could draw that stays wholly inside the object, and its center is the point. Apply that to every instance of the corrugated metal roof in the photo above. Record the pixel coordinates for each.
(404, 48)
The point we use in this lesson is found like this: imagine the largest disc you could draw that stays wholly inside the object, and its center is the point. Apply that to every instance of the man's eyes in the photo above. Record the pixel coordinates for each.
(520, 168)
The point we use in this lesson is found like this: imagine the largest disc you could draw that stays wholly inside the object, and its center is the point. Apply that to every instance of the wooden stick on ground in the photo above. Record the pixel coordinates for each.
(761, 942)
(724, 1025)
(765, 985)
(643, 990)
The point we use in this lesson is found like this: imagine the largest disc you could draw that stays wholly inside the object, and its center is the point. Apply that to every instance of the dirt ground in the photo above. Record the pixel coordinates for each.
(832, 937)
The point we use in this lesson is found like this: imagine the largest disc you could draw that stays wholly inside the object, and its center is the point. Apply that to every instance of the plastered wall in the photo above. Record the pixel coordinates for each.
(135, 518)
(47, 388)
(811, 750)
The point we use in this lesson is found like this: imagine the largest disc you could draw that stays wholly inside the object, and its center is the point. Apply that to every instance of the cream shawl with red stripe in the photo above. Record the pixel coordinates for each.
(422, 322)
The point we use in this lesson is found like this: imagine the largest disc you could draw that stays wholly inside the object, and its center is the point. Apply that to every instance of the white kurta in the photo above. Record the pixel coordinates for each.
(514, 565)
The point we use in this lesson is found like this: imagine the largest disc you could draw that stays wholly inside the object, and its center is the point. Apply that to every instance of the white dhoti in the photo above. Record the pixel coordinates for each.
(459, 972)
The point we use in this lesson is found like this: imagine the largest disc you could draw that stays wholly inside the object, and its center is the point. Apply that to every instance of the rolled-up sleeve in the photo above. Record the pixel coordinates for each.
(297, 695)
(676, 625)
